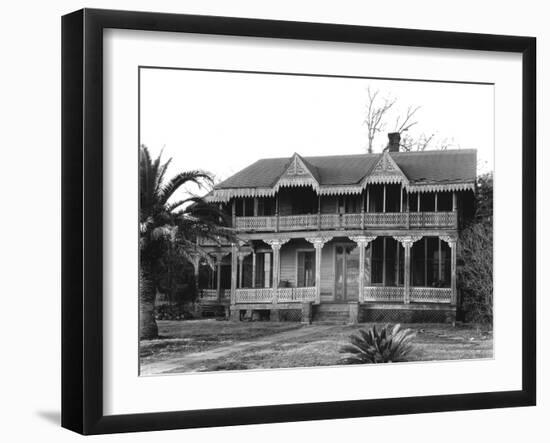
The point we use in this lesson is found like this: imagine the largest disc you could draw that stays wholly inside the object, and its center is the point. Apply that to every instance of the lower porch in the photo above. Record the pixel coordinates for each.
(369, 272)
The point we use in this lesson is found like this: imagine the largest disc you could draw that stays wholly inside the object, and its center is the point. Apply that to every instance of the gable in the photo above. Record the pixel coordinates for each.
(298, 173)
(386, 171)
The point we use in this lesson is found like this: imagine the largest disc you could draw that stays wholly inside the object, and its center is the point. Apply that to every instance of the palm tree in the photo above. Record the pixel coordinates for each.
(170, 226)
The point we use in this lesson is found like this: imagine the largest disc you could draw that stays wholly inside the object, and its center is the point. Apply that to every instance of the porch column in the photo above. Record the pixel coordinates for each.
(362, 211)
(241, 260)
(362, 242)
(318, 243)
(277, 212)
(233, 296)
(233, 214)
(407, 241)
(276, 247)
(451, 241)
(319, 212)
(455, 215)
(219, 280)
(453, 272)
(219, 258)
(195, 260)
(254, 269)
(368, 199)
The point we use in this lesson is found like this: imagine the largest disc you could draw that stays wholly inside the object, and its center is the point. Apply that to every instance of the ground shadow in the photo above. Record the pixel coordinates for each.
(54, 417)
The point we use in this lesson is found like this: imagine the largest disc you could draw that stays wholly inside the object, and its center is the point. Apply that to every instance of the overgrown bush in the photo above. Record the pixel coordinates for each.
(172, 312)
(384, 345)
(475, 258)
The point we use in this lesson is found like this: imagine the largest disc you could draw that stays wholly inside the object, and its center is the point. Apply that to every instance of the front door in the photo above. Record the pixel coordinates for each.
(346, 272)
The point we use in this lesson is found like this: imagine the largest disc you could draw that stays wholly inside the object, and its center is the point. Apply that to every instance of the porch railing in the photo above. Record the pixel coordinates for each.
(396, 220)
(397, 294)
(384, 294)
(284, 295)
(296, 294)
(208, 294)
(431, 295)
(212, 294)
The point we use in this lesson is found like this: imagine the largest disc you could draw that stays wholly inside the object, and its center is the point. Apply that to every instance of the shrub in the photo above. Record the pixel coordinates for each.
(383, 345)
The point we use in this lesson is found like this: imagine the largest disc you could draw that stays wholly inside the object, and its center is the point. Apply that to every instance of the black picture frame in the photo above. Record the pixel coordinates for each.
(82, 218)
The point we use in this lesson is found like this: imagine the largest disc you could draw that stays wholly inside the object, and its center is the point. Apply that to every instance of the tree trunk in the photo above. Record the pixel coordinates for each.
(148, 328)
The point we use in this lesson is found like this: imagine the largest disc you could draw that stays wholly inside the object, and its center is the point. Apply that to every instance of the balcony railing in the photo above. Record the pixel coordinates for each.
(367, 220)
(397, 294)
(284, 295)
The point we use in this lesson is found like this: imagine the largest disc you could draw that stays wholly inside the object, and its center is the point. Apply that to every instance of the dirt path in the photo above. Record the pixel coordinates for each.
(192, 359)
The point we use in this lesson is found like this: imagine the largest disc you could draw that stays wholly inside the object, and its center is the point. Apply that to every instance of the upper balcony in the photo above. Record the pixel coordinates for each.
(351, 221)
(379, 207)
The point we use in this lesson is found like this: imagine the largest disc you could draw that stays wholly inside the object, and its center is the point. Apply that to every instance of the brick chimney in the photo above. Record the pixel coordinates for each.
(394, 138)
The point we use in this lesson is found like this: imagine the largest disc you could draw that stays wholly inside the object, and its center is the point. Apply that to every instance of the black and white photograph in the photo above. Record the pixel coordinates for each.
(289, 220)
(241, 221)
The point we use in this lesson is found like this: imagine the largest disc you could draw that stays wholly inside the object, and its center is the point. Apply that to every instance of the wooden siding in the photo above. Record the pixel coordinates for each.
(327, 272)
(288, 265)
(288, 262)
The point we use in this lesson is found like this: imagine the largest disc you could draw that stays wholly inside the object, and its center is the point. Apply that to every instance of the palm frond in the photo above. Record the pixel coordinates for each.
(197, 177)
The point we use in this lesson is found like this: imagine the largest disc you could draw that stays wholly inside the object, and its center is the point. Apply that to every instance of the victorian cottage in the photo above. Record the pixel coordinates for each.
(368, 237)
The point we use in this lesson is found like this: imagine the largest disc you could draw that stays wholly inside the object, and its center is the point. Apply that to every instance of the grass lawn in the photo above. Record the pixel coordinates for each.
(211, 345)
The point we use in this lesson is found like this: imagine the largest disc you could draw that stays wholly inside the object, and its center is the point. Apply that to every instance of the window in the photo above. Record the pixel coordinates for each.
(266, 206)
(306, 269)
(431, 263)
(264, 271)
(387, 259)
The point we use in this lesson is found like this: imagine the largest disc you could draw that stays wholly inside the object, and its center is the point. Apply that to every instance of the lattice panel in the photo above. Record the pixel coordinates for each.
(406, 316)
(208, 294)
(260, 295)
(431, 295)
(290, 315)
(384, 294)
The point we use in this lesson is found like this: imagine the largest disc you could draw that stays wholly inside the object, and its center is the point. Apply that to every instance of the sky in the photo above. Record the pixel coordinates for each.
(222, 122)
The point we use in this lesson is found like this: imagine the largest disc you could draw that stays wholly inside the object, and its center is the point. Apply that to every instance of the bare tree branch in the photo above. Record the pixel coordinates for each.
(407, 122)
(376, 110)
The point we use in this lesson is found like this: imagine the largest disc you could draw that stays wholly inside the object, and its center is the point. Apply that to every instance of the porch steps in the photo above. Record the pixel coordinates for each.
(331, 313)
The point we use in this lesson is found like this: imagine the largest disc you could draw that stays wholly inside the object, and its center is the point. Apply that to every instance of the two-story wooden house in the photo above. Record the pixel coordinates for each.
(368, 237)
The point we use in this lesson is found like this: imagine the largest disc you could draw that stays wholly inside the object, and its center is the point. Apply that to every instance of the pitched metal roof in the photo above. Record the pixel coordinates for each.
(420, 168)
